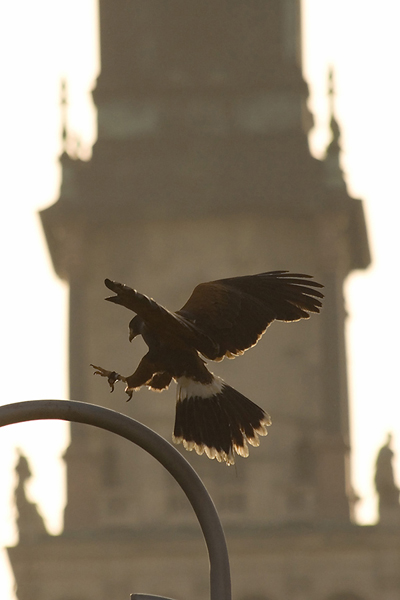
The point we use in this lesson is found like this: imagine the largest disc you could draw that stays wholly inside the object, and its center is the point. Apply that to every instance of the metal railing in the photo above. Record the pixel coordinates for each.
(163, 451)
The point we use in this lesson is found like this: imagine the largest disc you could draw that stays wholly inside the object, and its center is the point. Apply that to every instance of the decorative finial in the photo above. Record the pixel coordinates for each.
(334, 125)
(64, 113)
(71, 145)
(332, 158)
(331, 87)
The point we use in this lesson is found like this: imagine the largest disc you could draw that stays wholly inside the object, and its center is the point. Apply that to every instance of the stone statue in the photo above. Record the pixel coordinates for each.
(385, 483)
(30, 522)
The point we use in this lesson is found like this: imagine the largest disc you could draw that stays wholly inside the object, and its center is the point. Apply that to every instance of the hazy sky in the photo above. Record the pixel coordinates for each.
(41, 42)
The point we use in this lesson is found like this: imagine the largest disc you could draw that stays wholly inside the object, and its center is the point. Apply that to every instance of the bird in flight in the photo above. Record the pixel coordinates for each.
(222, 318)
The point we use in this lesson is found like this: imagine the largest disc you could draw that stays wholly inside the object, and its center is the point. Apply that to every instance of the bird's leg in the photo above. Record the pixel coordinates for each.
(112, 376)
(143, 374)
(160, 381)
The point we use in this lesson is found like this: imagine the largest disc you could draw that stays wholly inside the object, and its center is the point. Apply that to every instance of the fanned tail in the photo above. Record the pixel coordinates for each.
(217, 420)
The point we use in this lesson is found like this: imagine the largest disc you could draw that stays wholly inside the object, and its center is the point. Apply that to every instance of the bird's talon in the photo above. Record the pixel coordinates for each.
(112, 376)
(129, 391)
(101, 371)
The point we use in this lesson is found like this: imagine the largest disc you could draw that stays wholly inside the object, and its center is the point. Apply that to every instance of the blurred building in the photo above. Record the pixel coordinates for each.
(202, 170)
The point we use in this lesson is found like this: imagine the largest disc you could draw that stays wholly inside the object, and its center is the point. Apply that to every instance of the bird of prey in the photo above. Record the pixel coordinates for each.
(221, 318)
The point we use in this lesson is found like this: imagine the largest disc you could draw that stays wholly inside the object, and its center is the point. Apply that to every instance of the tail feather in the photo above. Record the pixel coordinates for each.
(217, 420)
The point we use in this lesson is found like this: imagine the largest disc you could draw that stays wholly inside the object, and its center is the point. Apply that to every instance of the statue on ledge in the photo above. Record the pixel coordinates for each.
(388, 492)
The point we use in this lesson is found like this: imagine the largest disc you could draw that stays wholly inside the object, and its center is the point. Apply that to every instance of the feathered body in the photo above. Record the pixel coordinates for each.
(221, 318)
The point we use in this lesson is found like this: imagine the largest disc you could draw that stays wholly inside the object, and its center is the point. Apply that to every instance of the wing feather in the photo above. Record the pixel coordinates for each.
(235, 312)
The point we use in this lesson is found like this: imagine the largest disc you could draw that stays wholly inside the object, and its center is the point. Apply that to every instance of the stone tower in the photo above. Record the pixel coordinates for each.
(202, 170)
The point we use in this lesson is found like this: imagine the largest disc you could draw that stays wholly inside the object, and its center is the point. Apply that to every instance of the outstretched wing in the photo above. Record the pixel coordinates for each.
(235, 312)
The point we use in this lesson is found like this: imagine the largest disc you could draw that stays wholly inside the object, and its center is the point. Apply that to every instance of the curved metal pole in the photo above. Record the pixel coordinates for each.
(154, 444)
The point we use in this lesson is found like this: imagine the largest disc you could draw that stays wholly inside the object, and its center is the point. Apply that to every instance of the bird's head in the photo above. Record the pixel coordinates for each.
(135, 327)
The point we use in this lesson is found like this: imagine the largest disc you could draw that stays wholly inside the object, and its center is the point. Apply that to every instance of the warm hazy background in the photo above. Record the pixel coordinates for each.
(42, 42)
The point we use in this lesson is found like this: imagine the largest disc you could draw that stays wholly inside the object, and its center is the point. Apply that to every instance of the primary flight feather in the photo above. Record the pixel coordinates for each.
(221, 318)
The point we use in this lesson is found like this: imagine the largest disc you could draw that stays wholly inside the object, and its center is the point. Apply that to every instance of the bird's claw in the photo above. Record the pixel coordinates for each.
(112, 376)
(129, 391)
